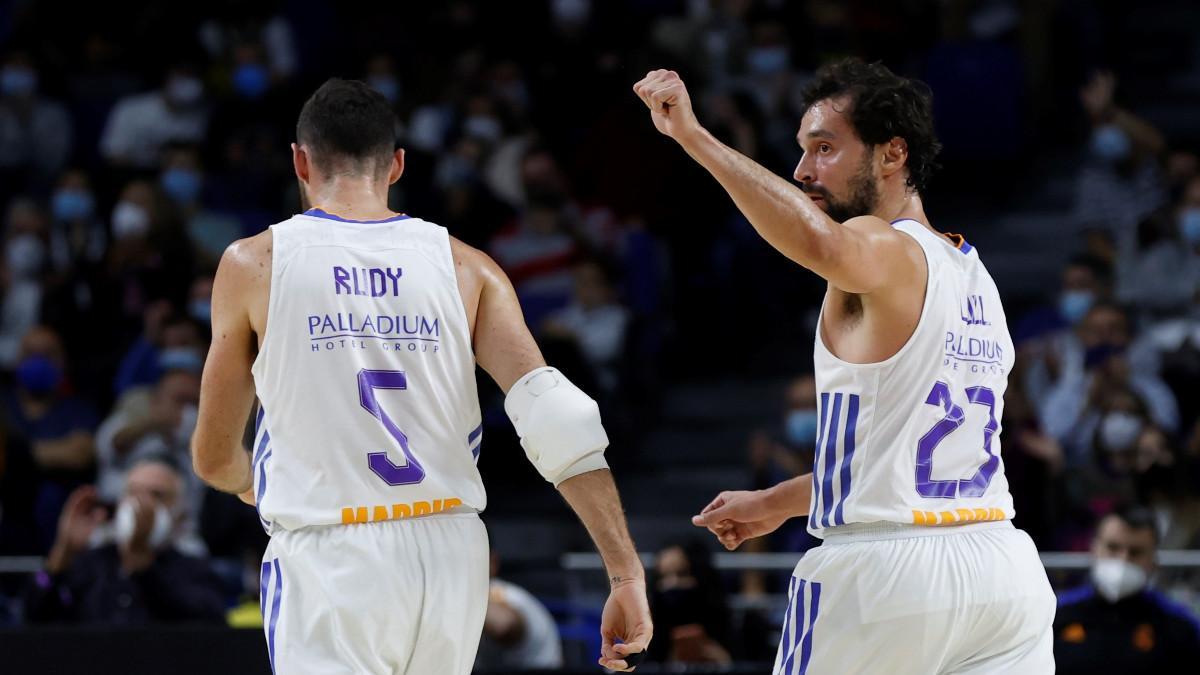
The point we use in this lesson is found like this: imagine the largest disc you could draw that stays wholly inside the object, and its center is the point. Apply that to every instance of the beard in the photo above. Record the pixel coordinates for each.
(862, 199)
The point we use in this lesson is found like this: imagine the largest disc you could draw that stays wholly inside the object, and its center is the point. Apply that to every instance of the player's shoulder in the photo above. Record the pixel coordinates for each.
(470, 260)
(247, 258)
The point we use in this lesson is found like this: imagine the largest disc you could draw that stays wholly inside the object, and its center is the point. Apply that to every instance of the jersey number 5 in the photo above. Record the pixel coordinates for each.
(977, 484)
(410, 472)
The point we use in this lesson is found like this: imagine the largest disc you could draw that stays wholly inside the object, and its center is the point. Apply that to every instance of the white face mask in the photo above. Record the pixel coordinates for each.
(1117, 579)
(1119, 430)
(125, 522)
(129, 220)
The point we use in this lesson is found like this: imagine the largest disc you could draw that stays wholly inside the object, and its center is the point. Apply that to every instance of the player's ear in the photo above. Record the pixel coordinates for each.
(300, 162)
(397, 169)
(895, 155)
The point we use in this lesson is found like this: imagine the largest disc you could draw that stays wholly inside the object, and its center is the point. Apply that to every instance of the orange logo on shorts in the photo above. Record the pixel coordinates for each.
(364, 514)
(1074, 633)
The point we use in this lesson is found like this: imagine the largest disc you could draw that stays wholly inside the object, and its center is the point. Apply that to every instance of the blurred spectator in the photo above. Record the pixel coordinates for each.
(518, 632)
(35, 132)
(57, 425)
(595, 321)
(1120, 185)
(141, 125)
(24, 259)
(537, 253)
(150, 422)
(78, 239)
(137, 576)
(1155, 267)
(1097, 361)
(183, 182)
(1117, 623)
(1086, 280)
(1033, 463)
(691, 615)
(168, 341)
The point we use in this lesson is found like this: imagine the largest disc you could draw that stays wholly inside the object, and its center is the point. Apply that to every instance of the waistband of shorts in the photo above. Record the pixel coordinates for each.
(853, 532)
(444, 515)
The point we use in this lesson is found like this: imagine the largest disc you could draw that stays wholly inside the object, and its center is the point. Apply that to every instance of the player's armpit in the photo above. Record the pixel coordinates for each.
(227, 387)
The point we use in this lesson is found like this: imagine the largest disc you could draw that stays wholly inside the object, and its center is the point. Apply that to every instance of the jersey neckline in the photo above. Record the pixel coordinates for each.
(317, 212)
(956, 240)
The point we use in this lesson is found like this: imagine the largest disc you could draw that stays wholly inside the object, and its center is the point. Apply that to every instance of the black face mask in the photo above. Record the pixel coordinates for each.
(679, 606)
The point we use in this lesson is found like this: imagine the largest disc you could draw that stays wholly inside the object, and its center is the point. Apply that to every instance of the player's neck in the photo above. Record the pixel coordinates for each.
(352, 198)
(904, 205)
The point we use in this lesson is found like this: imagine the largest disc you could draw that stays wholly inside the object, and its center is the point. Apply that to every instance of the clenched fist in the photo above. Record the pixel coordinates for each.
(670, 106)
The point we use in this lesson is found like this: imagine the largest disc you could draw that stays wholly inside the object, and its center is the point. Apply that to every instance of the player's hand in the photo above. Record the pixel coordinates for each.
(626, 618)
(670, 106)
(735, 517)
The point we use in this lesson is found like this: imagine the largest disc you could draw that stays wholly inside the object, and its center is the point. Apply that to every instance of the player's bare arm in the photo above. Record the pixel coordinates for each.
(227, 388)
(736, 517)
(505, 349)
(863, 255)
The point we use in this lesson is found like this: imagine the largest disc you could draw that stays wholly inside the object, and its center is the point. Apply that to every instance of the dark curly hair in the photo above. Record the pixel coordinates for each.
(883, 105)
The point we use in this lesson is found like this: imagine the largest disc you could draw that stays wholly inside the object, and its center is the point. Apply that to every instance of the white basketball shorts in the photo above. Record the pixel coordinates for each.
(394, 597)
(905, 600)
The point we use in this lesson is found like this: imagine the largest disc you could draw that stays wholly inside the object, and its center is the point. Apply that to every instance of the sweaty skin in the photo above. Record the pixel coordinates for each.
(876, 274)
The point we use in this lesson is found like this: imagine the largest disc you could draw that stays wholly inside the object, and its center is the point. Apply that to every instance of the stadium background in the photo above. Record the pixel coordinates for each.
(121, 182)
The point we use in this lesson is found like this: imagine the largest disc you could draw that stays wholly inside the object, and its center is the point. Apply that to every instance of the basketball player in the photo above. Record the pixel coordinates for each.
(921, 570)
(359, 330)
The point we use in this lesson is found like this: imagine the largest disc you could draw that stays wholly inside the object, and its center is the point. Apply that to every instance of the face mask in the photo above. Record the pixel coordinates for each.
(25, 255)
(1120, 430)
(38, 374)
(181, 358)
(801, 427)
(181, 185)
(18, 81)
(484, 127)
(200, 310)
(187, 425)
(571, 12)
(767, 60)
(129, 220)
(1189, 224)
(1073, 305)
(1117, 579)
(125, 522)
(386, 85)
(251, 80)
(185, 91)
(1110, 144)
(71, 204)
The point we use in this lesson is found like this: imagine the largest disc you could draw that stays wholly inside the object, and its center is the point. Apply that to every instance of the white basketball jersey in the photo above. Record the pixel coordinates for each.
(915, 439)
(366, 376)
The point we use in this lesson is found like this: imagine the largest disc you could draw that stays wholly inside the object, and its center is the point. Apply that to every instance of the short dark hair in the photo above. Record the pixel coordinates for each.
(1136, 517)
(883, 106)
(347, 125)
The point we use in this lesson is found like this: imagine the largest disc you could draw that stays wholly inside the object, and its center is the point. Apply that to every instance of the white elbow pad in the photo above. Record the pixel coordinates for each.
(559, 425)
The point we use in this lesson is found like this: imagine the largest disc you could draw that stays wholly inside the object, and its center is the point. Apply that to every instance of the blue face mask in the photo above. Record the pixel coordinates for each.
(38, 374)
(1189, 225)
(1111, 144)
(71, 204)
(800, 428)
(251, 80)
(386, 85)
(1073, 305)
(201, 310)
(17, 81)
(767, 60)
(181, 358)
(181, 185)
